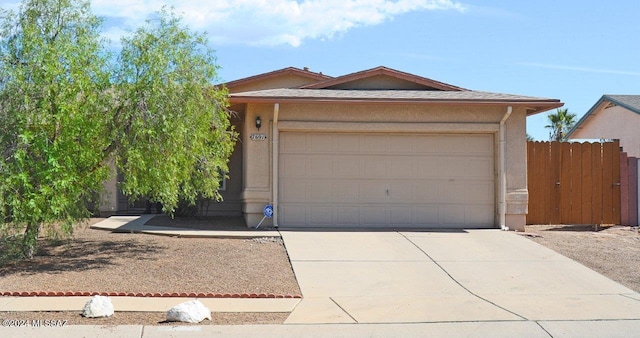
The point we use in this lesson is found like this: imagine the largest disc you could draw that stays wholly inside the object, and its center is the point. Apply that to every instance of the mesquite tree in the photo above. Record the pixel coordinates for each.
(68, 108)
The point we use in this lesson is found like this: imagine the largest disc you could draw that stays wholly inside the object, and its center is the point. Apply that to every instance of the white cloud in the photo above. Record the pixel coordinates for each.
(262, 22)
(269, 22)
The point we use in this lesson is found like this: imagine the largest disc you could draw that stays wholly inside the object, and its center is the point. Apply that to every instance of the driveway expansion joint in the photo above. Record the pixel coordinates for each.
(457, 282)
(344, 310)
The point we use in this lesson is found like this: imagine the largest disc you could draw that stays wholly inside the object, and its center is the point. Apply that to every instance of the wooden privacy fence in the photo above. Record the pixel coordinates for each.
(574, 183)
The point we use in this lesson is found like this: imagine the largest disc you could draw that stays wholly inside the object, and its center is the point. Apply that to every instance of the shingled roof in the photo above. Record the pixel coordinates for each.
(630, 102)
(420, 90)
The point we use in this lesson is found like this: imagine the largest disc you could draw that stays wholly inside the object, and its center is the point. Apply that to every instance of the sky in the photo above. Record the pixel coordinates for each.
(574, 51)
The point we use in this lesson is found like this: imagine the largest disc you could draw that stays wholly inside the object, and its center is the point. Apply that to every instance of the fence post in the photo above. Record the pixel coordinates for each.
(624, 189)
(633, 191)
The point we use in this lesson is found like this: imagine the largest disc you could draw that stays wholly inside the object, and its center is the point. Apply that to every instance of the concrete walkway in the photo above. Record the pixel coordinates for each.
(137, 224)
(510, 329)
(429, 277)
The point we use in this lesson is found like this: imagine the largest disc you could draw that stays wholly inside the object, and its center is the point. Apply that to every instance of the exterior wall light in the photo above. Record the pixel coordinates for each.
(258, 123)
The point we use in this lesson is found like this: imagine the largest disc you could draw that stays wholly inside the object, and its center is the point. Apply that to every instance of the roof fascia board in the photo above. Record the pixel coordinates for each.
(383, 71)
(535, 106)
(276, 73)
(622, 104)
(584, 118)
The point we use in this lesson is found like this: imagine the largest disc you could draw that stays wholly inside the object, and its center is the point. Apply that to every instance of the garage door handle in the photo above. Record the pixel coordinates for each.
(387, 192)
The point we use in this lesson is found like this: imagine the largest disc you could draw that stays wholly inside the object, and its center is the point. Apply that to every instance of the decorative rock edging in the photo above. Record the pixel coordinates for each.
(143, 294)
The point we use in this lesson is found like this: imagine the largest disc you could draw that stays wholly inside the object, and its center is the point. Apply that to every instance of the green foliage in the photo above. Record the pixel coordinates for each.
(66, 110)
(559, 124)
(52, 115)
(178, 135)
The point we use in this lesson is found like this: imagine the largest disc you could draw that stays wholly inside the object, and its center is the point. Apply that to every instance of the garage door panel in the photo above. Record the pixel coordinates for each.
(454, 192)
(361, 179)
(319, 191)
(427, 191)
(348, 215)
(347, 143)
(401, 192)
(427, 144)
(479, 168)
(400, 144)
(346, 166)
(401, 166)
(320, 166)
(452, 215)
(372, 192)
(479, 144)
(374, 215)
(319, 143)
(293, 190)
(293, 143)
(347, 191)
(293, 214)
(428, 214)
(480, 192)
(452, 167)
(294, 166)
(320, 215)
(427, 167)
(401, 215)
(372, 143)
(373, 168)
(478, 215)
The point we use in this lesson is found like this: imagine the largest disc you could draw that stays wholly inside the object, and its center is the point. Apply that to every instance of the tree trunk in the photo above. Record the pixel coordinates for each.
(30, 240)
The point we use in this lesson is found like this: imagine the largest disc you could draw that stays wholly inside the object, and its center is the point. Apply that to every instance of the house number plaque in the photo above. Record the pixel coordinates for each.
(258, 137)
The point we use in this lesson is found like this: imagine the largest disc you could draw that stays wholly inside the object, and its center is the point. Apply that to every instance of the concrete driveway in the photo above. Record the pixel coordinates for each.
(429, 277)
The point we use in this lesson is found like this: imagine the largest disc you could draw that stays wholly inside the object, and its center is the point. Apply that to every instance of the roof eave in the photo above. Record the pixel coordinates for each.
(533, 107)
(381, 70)
(584, 118)
(276, 73)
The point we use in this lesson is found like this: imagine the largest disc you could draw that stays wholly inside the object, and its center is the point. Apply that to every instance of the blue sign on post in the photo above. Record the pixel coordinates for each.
(268, 211)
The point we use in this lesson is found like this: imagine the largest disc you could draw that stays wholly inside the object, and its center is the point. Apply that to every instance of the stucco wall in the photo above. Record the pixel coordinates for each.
(613, 123)
(258, 154)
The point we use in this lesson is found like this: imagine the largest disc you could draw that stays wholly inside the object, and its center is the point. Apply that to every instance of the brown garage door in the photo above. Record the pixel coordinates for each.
(386, 180)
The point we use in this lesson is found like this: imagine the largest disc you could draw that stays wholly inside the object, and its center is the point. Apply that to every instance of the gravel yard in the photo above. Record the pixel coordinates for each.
(612, 251)
(97, 260)
(101, 261)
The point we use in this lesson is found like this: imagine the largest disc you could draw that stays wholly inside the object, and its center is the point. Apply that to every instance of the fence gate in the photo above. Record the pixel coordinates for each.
(573, 183)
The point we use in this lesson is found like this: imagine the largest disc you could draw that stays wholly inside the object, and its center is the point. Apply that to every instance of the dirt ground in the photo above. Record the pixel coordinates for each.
(101, 261)
(613, 251)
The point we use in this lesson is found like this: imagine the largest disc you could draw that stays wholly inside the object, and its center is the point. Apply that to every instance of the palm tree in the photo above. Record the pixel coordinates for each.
(560, 123)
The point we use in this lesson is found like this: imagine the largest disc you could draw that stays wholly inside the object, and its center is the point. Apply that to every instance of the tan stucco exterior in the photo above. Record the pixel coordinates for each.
(258, 155)
(254, 166)
(612, 123)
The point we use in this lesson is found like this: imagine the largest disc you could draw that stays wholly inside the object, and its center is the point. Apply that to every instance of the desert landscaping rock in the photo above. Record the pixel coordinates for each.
(189, 312)
(98, 306)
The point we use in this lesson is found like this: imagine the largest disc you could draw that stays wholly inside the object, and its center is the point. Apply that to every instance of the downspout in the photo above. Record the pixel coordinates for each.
(274, 143)
(502, 204)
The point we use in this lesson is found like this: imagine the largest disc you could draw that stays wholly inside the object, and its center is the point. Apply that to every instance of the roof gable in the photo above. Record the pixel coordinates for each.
(629, 102)
(289, 77)
(382, 78)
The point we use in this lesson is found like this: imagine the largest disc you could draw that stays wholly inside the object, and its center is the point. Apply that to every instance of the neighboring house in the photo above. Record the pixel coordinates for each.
(377, 148)
(612, 117)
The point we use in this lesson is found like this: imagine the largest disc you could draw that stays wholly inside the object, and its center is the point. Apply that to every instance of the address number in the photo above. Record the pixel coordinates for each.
(258, 137)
